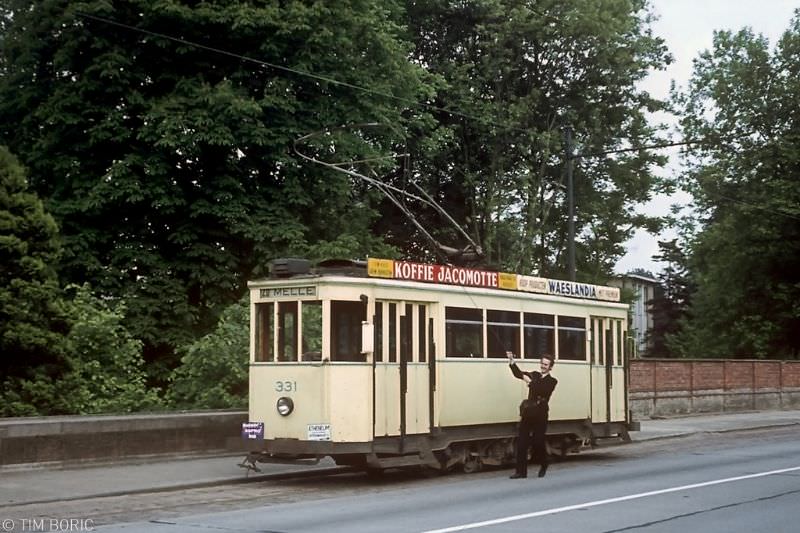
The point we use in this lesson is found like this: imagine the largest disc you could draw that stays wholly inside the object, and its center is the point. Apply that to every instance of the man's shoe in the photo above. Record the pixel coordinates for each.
(542, 470)
(517, 475)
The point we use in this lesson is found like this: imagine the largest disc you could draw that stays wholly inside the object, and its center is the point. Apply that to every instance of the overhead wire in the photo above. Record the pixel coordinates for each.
(298, 72)
(366, 90)
(407, 101)
(387, 190)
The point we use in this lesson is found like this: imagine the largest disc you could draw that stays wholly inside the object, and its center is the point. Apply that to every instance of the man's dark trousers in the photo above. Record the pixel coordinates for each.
(537, 425)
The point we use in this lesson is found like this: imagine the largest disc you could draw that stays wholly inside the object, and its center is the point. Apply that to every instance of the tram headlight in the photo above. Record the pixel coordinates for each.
(285, 406)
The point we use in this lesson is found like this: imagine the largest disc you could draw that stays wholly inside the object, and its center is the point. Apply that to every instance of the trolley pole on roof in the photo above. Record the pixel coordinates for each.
(570, 204)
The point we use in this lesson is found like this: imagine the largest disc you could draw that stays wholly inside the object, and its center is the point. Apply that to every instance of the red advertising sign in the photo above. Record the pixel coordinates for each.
(450, 275)
(471, 277)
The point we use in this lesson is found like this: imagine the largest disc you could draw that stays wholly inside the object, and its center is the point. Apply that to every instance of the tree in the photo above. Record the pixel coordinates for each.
(169, 166)
(102, 369)
(213, 370)
(746, 185)
(60, 354)
(670, 305)
(32, 318)
(516, 73)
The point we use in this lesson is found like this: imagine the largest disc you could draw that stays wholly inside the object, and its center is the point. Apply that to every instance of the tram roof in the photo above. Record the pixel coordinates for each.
(443, 275)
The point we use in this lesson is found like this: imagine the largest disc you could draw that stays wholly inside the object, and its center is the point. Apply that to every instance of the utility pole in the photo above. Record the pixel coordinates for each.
(570, 204)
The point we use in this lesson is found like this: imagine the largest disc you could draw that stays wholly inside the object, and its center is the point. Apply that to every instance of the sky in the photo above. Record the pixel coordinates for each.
(687, 27)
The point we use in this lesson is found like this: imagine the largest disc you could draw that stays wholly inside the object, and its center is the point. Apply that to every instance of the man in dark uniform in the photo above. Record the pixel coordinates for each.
(534, 420)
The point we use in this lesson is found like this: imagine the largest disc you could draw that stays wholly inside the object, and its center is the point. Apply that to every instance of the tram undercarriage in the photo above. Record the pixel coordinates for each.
(467, 447)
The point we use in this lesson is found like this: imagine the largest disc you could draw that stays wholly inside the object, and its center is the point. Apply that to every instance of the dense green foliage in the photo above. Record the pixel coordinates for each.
(103, 370)
(169, 166)
(160, 136)
(61, 353)
(672, 301)
(213, 371)
(746, 185)
(517, 73)
(32, 319)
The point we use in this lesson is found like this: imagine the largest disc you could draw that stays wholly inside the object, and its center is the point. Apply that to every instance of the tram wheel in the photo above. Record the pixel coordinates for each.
(472, 465)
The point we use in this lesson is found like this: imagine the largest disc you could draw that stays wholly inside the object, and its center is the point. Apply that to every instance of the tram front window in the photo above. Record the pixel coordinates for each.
(287, 331)
(346, 319)
(312, 330)
(265, 315)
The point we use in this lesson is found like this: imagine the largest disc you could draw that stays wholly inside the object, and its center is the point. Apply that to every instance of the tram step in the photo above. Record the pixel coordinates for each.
(395, 462)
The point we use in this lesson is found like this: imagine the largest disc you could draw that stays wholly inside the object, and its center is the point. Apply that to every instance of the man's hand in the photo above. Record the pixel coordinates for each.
(510, 356)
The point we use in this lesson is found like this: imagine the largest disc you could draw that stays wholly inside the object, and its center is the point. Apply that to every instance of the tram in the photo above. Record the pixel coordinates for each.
(382, 363)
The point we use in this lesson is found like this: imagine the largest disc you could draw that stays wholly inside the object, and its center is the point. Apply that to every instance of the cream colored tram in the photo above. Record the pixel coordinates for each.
(393, 363)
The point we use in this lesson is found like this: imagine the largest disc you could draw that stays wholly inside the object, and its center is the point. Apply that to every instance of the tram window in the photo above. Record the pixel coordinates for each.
(540, 335)
(287, 331)
(601, 344)
(464, 332)
(422, 333)
(431, 344)
(406, 332)
(346, 319)
(265, 316)
(392, 333)
(378, 322)
(572, 338)
(312, 330)
(502, 333)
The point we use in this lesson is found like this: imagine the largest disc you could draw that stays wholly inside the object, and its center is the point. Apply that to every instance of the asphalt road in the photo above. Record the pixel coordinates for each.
(744, 481)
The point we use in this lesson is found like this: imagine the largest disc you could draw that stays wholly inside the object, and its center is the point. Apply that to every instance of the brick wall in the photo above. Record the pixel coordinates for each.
(664, 387)
(790, 375)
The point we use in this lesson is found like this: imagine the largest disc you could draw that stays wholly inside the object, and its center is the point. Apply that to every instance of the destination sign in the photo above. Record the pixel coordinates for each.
(470, 277)
(288, 292)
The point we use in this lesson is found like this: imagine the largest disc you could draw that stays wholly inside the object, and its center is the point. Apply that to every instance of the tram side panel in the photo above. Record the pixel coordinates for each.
(350, 400)
(608, 379)
(387, 399)
(269, 382)
(418, 418)
(618, 395)
(478, 391)
(330, 402)
(571, 398)
(484, 391)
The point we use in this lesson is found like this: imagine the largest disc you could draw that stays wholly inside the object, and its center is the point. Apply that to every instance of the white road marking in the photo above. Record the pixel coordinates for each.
(556, 510)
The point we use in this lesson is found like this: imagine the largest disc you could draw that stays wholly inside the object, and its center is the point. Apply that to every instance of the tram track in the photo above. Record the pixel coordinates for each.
(250, 478)
(165, 503)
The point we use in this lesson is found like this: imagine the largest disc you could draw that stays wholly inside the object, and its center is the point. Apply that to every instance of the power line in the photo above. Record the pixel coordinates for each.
(751, 205)
(661, 145)
(407, 101)
(367, 90)
(297, 72)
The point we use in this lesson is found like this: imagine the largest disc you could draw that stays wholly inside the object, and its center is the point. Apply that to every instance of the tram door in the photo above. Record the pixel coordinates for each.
(401, 368)
(604, 358)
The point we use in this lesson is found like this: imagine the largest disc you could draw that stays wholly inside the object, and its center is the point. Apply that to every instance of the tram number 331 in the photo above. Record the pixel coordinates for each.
(286, 386)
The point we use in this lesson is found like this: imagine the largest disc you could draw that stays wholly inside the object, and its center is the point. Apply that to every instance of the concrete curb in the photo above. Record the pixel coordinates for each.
(323, 471)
